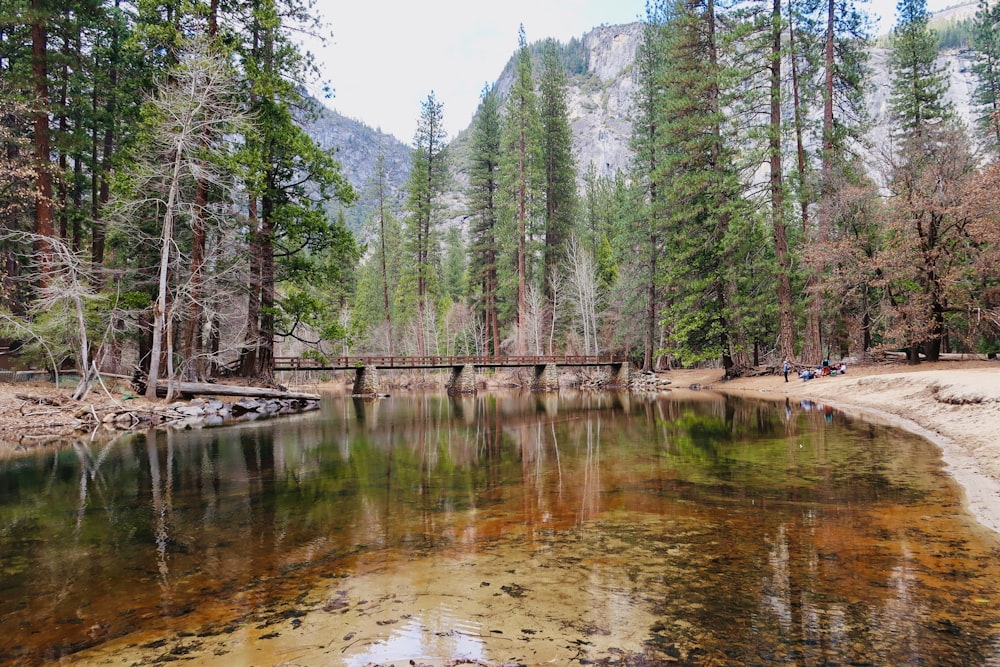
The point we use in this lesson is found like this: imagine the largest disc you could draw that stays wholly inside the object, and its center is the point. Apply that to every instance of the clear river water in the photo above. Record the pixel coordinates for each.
(509, 528)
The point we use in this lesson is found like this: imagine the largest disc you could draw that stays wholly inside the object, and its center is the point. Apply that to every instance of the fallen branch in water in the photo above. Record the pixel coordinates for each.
(209, 389)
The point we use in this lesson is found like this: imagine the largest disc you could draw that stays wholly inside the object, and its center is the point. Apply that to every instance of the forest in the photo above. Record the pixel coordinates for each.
(164, 215)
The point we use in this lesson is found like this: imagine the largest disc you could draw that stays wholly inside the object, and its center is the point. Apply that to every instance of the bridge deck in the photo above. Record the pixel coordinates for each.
(431, 362)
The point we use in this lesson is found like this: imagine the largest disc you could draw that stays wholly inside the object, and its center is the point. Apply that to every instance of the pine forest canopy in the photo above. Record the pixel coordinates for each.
(728, 185)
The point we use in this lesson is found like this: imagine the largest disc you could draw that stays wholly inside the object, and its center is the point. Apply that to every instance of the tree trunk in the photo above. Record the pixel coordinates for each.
(814, 333)
(160, 306)
(248, 355)
(786, 333)
(800, 149)
(647, 352)
(385, 271)
(522, 232)
(191, 342)
(110, 135)
(190, 336)
(493, 326)
(265, 344)
(44, 216)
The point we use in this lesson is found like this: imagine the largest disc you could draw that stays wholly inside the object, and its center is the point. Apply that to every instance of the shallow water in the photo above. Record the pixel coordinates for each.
(516, 528)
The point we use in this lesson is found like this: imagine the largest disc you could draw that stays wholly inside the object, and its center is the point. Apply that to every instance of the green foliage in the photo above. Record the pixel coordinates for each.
(453, 278)
(521, 217)
(918, 84)
(954, 34)
(558, 164)
(986, 96)
(428, 177)
(484, 190)
(696, 190)
(573, 55)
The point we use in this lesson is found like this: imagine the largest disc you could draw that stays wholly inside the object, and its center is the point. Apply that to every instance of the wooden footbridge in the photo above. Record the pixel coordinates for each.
(463, 368)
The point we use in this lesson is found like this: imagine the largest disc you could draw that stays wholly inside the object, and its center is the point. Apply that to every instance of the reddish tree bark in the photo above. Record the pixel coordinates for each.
(44, 214)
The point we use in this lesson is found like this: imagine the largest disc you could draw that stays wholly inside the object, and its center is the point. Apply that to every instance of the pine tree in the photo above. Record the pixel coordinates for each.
(919, 84)
(428, 177)
(701, 193)
(484, 190)
(779, 227)
(557, 157)
(986, 96)
(521, 171)
(646, 237)
(385, 224)
(285, 167)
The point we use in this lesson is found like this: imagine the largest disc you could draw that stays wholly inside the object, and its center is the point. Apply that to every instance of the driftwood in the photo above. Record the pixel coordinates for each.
(206, 388)
(39, 400)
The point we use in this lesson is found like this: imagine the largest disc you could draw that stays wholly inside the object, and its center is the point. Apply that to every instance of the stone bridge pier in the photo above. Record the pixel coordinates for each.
(462, 380)
(546, 378)
(621, 374)
(366, 381)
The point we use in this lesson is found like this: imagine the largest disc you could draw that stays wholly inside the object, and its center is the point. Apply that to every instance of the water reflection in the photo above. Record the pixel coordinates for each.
(502, 527)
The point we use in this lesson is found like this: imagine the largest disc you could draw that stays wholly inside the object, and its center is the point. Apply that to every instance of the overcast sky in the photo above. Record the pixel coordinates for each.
(386, 56)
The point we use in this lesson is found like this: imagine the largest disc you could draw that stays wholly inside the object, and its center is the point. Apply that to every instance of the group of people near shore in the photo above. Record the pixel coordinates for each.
(820, 371)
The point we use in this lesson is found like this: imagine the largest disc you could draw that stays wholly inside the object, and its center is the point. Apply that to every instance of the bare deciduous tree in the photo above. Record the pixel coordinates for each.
(191, 115)
(584, 287)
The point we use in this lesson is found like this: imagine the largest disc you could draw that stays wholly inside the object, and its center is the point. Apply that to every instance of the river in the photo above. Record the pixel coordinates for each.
(508, 528)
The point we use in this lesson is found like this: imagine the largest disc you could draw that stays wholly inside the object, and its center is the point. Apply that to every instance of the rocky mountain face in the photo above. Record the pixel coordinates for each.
(600, 99)
(357, 147)
(601, 102)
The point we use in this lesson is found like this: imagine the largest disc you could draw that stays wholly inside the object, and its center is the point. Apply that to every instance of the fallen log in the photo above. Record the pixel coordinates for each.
(206, 388)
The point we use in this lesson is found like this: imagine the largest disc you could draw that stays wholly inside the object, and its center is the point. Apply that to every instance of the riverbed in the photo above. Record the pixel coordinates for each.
(510, 528)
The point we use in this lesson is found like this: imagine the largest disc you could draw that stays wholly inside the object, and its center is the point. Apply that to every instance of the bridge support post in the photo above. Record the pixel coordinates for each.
(366, 381)
(621, 374)
(462, 380)
(546, 378)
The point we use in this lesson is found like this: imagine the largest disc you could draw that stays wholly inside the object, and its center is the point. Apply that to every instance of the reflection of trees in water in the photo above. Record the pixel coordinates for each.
(160, 490)
(767, 530)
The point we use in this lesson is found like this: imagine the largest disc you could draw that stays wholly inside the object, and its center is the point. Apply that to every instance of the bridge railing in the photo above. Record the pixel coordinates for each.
(437, 361)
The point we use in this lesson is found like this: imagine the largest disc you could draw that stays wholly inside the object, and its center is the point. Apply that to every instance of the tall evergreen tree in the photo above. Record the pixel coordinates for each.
(779, 226)
(649, 152)
(385, 224)
(428, 177)
(285, 169)
(919, 84)
(701, 191)
(484, 186)
(558, 162)
(986, 96)
(39, 15)
(521, 171)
